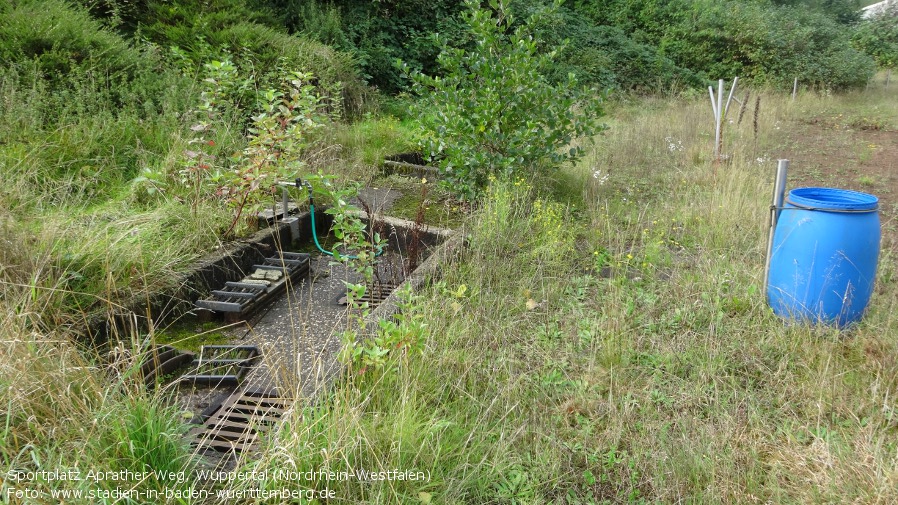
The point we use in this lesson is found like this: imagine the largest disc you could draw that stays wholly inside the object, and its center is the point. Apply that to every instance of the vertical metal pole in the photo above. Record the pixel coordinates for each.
(779, 187)
(285, 197)
(794, 89)
(714, 110)
(719, 112)
(779, 194)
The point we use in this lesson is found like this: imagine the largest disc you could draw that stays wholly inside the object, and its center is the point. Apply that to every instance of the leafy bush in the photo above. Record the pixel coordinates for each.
(376, 33)
(604, 55)
(494, 114)
(277, 136)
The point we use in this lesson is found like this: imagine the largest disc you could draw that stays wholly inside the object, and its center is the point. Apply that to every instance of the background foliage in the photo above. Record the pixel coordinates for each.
(641, 45)
(878, 37)
(767, 42)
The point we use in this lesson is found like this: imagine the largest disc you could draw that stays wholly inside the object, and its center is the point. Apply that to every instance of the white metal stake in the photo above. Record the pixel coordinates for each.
(794, 88)
(716, 115)
(718, 111)
(730, 98)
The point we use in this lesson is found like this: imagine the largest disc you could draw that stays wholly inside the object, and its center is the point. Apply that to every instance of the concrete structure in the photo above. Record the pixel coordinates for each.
(877, 8)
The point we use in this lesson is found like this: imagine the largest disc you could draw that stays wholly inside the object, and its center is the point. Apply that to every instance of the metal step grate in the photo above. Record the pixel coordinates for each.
(221, 365)
(374, 296)
(239, 421)
(264, 282)
(161, 361)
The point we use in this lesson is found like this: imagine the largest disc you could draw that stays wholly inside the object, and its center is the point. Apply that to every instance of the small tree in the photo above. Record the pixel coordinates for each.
(277, 136)
(494, 113)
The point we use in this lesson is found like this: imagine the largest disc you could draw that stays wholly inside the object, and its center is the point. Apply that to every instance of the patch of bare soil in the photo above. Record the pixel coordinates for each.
(828, 151)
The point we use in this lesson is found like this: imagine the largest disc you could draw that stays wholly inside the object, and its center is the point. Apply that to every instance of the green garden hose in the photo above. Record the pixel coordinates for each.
(299, 184)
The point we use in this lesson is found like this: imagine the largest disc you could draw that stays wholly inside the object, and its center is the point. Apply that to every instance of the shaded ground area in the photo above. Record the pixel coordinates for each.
(856, 153)
(298, 333)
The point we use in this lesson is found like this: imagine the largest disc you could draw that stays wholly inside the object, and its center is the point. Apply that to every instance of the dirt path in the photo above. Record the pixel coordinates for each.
(852, 153)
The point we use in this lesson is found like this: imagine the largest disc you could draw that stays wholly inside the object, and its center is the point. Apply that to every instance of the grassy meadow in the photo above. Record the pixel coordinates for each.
(603, 338)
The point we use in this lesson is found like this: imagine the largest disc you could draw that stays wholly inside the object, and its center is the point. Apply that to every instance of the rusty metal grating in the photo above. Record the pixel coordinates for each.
(160, 361)
(239, 421)
(374, 296)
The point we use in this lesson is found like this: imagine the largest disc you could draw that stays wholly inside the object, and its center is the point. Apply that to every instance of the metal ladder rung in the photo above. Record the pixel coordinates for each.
(223, 361)
(220, 306)
(235, 294)
(286, 262)
(246, 285)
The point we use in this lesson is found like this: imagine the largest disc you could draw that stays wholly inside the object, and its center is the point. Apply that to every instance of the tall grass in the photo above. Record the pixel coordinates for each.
(614, 347)
(67, 410)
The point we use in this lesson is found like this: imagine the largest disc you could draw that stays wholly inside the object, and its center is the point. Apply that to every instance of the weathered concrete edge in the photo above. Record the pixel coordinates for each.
(431, 269)
(444, 253)
(211, 271)
(140, 312)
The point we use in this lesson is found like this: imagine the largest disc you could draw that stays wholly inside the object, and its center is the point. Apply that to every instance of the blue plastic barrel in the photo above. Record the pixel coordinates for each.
(825, 251)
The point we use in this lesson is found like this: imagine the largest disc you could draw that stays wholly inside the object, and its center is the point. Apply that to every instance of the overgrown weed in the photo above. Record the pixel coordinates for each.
(617, 348)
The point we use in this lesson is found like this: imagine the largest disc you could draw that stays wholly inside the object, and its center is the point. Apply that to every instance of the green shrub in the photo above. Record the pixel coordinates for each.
(878, 37)
(376, 33)
(494, 114)
(758, 40)
(61, 39)
(603, 55)
(203, 31)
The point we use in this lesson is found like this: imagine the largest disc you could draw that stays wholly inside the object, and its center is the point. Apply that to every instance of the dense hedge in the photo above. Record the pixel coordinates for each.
(377, 33)
(758, 40)
(621, 44)
(631, 45)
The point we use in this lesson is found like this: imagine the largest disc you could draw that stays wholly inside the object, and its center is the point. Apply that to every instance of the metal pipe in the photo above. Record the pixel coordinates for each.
(718, 133)
(779, 194)
(779, 187)
(285, 197)
(730, 98)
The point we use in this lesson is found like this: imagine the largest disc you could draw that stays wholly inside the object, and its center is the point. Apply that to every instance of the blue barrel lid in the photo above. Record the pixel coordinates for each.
(832, 199)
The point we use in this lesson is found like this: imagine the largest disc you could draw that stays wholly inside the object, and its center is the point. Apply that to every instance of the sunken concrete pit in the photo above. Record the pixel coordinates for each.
(296, 333)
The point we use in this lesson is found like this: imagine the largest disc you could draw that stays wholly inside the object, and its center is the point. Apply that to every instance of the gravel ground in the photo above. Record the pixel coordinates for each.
(299, 333)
